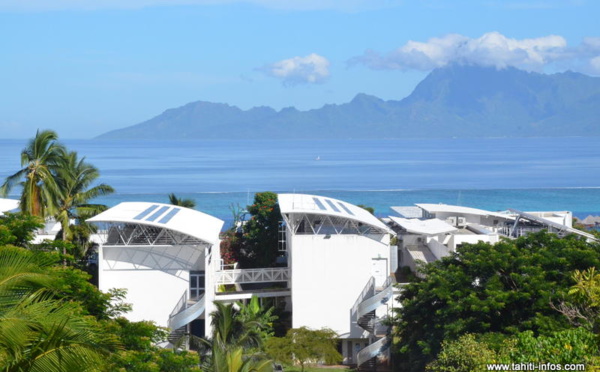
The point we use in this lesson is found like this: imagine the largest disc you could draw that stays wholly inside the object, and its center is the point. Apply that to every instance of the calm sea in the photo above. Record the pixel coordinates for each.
(494, 174)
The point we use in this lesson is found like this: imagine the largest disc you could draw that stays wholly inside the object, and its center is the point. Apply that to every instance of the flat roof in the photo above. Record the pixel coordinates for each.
(184, 220)
(408, 211)
(558, 226)
(321, 205)
(7, 205)
(431, 226)
(445, 208)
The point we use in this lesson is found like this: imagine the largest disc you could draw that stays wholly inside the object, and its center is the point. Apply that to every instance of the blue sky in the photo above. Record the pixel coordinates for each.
(84, 67)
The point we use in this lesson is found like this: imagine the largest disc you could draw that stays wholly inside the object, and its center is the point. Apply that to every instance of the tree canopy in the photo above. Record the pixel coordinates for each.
(304, 345)
(505, 288)
(260, 233)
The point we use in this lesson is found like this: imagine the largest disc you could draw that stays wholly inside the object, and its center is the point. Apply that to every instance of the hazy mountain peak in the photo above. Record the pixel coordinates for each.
(453, 101)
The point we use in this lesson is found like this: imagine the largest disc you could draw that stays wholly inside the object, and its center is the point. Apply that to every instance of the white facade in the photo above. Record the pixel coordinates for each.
(328, 275)
(154, 250)
(442, 228)
(339, 257)
(8, 205)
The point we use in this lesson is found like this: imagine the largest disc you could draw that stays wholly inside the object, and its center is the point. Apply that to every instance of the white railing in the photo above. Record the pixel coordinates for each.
(372, 350)
(187, 315)
(372, 303)
(181, 304)
(368, 291)
(241, 276)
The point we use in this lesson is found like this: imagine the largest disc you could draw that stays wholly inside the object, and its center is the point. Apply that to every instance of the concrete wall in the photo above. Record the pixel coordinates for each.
(438, 249)
(155, 277)
(328, 275)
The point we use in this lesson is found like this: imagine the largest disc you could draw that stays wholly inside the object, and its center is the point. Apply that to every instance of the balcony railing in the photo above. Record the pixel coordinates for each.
(241, 276)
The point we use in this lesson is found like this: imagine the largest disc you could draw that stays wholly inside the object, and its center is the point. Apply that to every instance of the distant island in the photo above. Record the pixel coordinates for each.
(454, 101)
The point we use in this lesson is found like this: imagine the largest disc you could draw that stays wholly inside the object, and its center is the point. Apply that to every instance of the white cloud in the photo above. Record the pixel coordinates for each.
(297, 70)
(491, 49)
(594, 66)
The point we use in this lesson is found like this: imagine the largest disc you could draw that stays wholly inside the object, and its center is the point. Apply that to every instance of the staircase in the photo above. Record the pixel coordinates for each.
(370, 299)
(183, 314)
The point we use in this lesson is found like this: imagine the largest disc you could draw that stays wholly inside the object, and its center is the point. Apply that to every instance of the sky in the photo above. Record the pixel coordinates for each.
(84, 67)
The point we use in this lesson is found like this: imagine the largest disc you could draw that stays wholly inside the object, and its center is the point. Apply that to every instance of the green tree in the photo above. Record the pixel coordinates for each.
(40, 159)
(38, 333)
(74, 181)
(252, 313)
(18, 229)
(571, 346)
(186, 203)
(260, 239)
(504, 288)
(140, 353)
(466, 354)
(304, 346)
(582, 303)
(237, 338)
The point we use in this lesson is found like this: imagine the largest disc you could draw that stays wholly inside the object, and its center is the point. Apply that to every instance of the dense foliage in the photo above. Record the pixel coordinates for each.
(53, 319)
(507, 288)
(238, 336)
(260, 232)
(305, 346)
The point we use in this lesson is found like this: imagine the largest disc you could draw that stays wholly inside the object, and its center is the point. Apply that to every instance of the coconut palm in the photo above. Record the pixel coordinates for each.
(38, 333)
(186, 203)
(73, 180)
(39, 161)
(236, 340)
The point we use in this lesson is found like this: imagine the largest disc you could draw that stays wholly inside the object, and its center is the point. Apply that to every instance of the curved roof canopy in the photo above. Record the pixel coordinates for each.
(445, 208)
(425, 227)
(320, 205)
(184, 220)
(7, 205)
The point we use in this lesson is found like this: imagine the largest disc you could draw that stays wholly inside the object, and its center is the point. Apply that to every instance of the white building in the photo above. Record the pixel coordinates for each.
(162, 255)
(340, 257)
(429, 232)
(8, 205)
(338, 272)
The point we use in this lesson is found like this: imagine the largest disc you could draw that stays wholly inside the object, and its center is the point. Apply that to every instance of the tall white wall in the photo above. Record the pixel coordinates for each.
(155, 277)
(328, 275)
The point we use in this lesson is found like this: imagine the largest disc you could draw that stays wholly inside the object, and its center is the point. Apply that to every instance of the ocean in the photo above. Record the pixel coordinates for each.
(492, 173)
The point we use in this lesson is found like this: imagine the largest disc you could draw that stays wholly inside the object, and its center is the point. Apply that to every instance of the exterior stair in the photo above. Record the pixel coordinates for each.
(371, 299)
(190, 311)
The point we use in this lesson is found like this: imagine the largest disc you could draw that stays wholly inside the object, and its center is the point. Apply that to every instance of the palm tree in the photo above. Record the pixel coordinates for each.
(39, 161)
(186, 203)
(73, 180)
(38, 333)
(236, 340)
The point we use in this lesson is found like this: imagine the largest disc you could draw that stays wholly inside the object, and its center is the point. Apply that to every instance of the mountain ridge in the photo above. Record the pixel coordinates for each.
(454, 101)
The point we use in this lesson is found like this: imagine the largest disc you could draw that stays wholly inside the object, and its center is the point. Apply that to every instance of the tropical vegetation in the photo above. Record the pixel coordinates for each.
(305, 346)
(237, 340)
(40, 161)
(57, 183)
(486, 298)
(186, 203)
(256, 242)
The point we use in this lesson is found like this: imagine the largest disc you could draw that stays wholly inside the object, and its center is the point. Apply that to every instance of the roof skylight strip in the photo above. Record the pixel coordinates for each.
(146, 212)
(332, 205)
(346, 209)
(319, 204)
(169, 215)
(157, 214)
